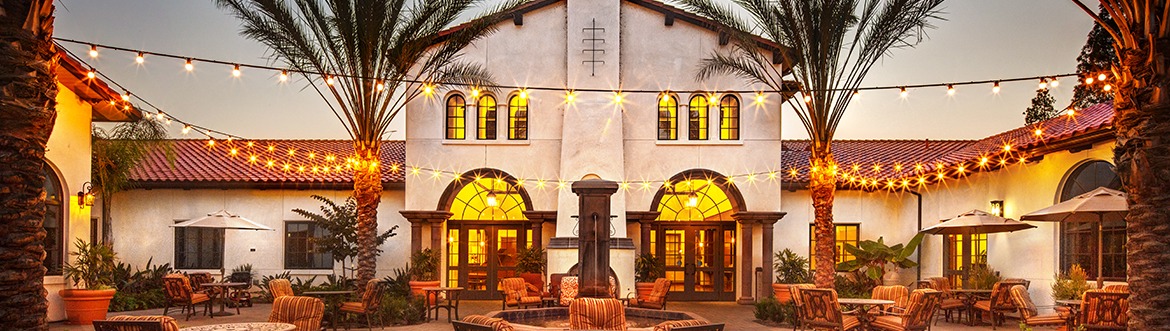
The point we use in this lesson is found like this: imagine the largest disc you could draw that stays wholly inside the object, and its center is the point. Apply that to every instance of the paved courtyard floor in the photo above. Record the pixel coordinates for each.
(737, 317)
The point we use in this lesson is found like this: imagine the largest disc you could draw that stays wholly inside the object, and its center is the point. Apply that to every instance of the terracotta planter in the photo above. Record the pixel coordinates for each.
(82, 307)
(417, 286)
(782, 293)
(644, 289)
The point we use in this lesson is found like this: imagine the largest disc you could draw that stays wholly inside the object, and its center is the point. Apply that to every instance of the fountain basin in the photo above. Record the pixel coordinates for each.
(557, 318)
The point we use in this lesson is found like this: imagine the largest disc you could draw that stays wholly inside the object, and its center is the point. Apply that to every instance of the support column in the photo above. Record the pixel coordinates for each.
(745, 262)
(417, 219)
(538, 218)
(767, 220)
(415, 237)
(768, 228)
(645, 220)
(437, 234)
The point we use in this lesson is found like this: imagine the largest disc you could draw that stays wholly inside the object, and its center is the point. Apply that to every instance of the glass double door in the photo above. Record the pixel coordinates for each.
(480, 255)
(699, 258)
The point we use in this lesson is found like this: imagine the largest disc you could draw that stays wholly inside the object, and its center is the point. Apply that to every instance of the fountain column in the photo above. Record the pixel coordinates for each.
(593, 238)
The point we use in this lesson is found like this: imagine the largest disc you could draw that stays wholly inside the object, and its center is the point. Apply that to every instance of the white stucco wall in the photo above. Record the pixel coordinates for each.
(68, 153)
(142, 220)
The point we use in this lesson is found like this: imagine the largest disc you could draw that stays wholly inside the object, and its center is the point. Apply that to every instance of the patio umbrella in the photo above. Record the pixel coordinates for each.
(977, 221)
(223, 220)
(1099, 205)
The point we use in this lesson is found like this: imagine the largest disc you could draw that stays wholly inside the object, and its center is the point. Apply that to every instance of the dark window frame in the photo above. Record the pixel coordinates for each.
(455, 125)
(216, 251)
(310, 256)
(812, 238)
(668, 117)
(1078, 240)
(55, 204)
(517, 118)
(729, 120)
(698, 121)
(486, 118)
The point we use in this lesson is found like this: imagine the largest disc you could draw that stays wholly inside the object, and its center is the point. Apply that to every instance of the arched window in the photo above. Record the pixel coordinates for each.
(456, 117)
(698, 117)
(488, 199)
(667, 117)
(486, 118)
(694, 200)
(518, 118)
(55, 202)
(1078, 240)
(729, 118)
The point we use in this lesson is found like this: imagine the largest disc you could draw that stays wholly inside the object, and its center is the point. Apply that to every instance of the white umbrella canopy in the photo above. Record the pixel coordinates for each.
(223, 220)
(977, 221)
(1099, 205)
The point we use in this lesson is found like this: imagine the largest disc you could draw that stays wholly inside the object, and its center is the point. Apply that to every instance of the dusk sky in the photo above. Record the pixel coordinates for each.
(983, 39)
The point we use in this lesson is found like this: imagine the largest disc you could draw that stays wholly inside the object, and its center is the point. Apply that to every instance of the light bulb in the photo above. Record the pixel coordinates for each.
(617, 97)
(1088, 80)
(692, 200)
(428, 89)
(1038, 132)
(807, 98)
(491, 199)
(329, 80)
(93, 51)
(90, 74)
(1053, 82)
(523, 94)
(1108, 87)
(713, 98)
(126, 97)
(1101, 77)
(569, 97)
(904, 93)
(186, 129)
(284, 75)
(950, 89)
(760, 98)
(1071, 112)
(188, 65)
(995, 88)
(236, 71)
(474, 93)
(139, 58)
(1043, 84)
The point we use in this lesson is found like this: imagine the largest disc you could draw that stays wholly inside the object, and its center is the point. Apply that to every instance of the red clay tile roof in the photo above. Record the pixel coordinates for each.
(1023, 141)
(198, 165)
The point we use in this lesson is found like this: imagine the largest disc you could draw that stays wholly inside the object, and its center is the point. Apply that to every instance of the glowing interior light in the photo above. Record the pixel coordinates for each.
(692, 200)
(491, 199)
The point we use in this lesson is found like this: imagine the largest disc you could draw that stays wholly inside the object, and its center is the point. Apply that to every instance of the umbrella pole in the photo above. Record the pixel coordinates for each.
(1100, 250)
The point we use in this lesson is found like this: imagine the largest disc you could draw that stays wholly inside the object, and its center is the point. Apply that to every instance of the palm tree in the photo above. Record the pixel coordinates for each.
(830, 45)
(382, 54)
(27, 113)
(1141, 80)
(115, 153)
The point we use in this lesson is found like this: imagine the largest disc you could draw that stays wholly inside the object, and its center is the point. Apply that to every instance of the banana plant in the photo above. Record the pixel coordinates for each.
(872, 258)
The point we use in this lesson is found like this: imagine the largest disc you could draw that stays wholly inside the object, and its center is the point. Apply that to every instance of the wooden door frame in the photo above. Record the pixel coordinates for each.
(689, 257)
(491, 228)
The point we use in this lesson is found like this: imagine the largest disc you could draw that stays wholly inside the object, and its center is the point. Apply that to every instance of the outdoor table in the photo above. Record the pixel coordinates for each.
(330, 298)
(1074, 307)
(243, 327)
(969, 297)
(863, 306)
(548, 302)
(452, 302)
(222, 295)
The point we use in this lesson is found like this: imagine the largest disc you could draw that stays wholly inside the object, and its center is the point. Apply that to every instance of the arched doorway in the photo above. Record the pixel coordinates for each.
(486, 232)
(694, 234)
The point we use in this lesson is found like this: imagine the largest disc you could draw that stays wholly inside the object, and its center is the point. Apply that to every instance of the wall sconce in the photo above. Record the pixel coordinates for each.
(997, 207)
(85, 197)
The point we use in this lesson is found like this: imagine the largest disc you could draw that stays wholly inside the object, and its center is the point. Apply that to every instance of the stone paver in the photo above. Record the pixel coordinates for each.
(737, 317)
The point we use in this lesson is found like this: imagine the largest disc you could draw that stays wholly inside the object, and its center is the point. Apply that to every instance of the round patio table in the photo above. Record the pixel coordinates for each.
(267, 326)
(332, 301)
(969, 297)
(863, 306)
(452, 294)
(222, 295)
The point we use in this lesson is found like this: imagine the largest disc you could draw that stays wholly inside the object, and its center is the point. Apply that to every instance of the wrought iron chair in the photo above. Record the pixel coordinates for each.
(657, 297)
(798, 303)
(1104, 310)
(1000, 302)
(179, 293)
(919, 312)
(822, 311)
(950, 304)
(1029, 315)
(371, 300)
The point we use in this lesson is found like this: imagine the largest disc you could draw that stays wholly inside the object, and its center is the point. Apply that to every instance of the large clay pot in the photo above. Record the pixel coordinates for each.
(416, 289)
(82, 307)
(644, 289)
(782, 293)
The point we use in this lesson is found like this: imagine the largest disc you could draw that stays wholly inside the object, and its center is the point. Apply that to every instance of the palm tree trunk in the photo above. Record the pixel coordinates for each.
(28, 66)
(1142, 156)
(823, 183)
(107, 223)
(367, 190)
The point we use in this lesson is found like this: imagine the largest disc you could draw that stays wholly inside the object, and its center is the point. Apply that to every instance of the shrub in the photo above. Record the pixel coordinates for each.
(1072, 285)
(648, 268)
(139, 288)
(853, 285)
(424, 265)
(768, 309)
(791, 268)
(531, 260)
(398, 285)
(127, 301)
(983, 276)
(400, 310)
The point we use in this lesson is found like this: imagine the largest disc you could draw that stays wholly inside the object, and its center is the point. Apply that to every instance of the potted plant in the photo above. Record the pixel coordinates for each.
(530, 264)
(873, 258)
(1070, 286)
(790, 268)
(647, 268)
(93, 278)
(424, 271)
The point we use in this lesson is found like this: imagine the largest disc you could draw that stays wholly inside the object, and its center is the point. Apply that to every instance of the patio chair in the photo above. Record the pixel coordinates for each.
(657, 297)
(371, 300)
(481, 323)
(821, 311)
(597, 314)
(1116, 288)
(1027, 283)
(1000, 302)
(304, 312)
(918, 314)
(179, 293)
(687, 325)
(137, 323)
(515, 293)
(798, 303)
(950, 304)
(568, 290)
(197, 280)
(1029, 315)
(280, 287)
(1104, 310)
(896, 293)
(241, 297)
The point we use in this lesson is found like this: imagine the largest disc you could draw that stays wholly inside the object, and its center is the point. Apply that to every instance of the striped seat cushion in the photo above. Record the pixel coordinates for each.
(280, 287)
(888, 322)
(896, 293)
(1045, 320)
(199, 297)
(168, 323)
(951, 304)
(353, 307)
(983, 305)
(670, 325)
(304, 312)
(849, 322)
(497, 324)
(597, 314)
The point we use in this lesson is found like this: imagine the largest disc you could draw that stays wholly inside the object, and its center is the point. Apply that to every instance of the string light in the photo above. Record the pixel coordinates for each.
(139, 59)
(1101, 77)
(1107, 87)
(90, 74)
(126, 96)
(995, 88)
(93, 51)
(379, 86)
(189, 66)
(428, 89)
(186, 129)
(1053, 82)
(523, 94)
(236, 71)
(475, 93)
(760, 98)
(1088, 80)
(329, 80)
(1043, 84)
(617, 97)
(904, 93)
(950, 89)
(284, 75)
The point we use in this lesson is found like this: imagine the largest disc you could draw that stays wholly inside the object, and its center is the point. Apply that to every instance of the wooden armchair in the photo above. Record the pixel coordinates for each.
(304, 312)
(950, 304)
(918, 314)
(1000, 302)
(179, 293)
(371, 301)
(657, 297)
(822, 311)
(597, 314)
(1104, 310)
(515, 293)
(1028, 313)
